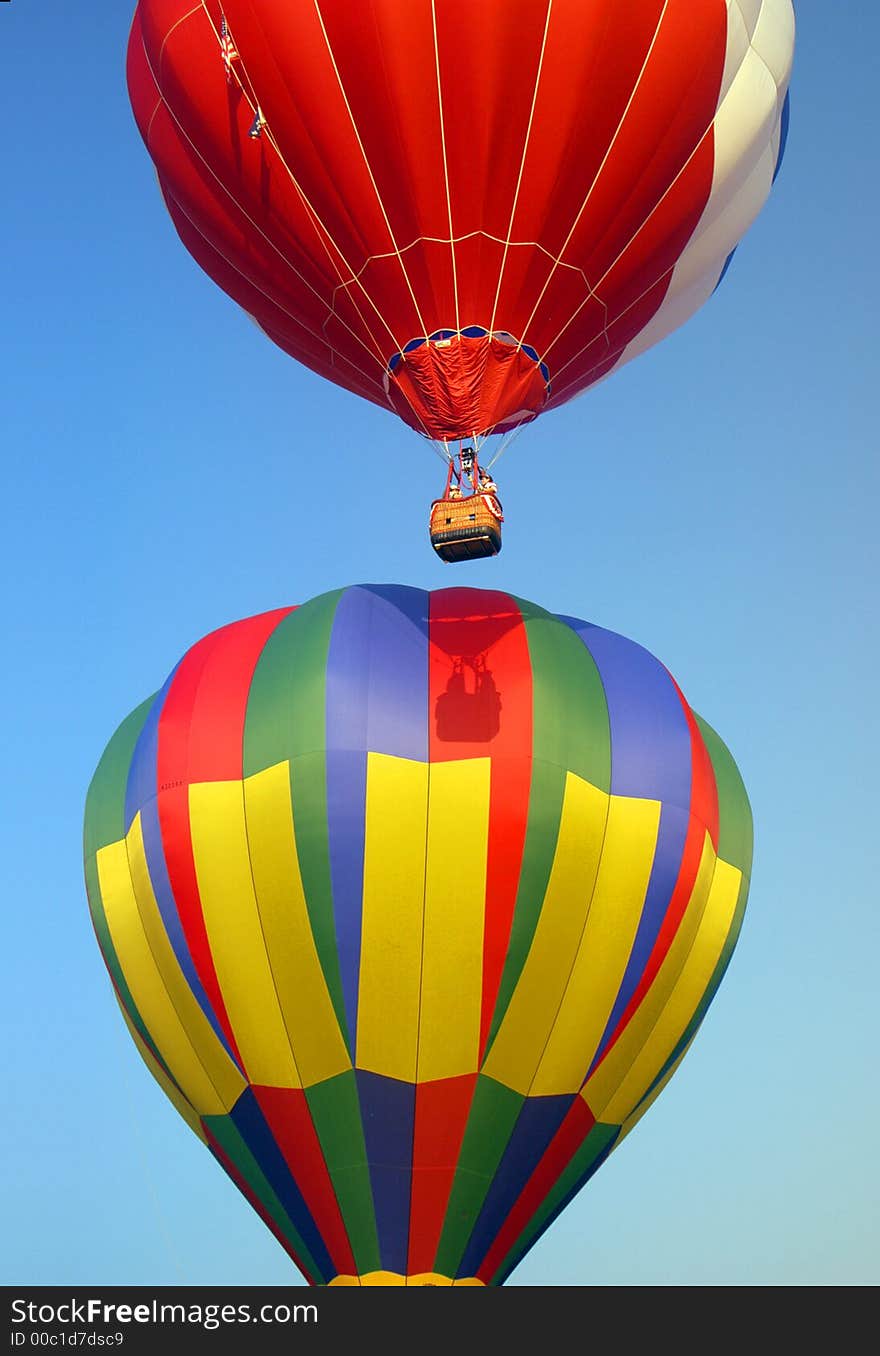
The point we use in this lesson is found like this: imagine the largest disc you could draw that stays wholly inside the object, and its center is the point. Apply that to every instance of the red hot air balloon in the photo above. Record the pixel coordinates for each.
(469, 212)
(413, 904)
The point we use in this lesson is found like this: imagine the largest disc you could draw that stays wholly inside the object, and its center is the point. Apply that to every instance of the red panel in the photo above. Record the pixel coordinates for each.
(200, 738)
(229, 1167)
(565, 1143)
(460, 386)
(202, 720)
(288, 1117)
(442, 1109)
(496, 721)
(406, 183)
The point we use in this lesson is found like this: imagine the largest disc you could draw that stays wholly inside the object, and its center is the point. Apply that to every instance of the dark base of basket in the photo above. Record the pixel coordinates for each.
(467, 543)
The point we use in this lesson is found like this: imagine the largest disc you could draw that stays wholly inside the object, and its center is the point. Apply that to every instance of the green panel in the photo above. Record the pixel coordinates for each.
(493, 1115)
(286, 710)
(286, 720)
(584, 1162)
(735, 832)
(570, 713)
(546, 794)
(570, 732)
(105, 798)
(336, 1114)
(229, 1138)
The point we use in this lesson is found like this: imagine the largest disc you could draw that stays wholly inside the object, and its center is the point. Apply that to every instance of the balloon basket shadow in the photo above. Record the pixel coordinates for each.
(465, 529)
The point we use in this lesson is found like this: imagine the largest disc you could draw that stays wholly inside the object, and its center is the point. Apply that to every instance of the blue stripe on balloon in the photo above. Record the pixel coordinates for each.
(254, 1130)
(398, 671)
(783, 133)
(376, 700)
(650, 737)
(605, 1138)
(727, 263)
(141, 796)
(388, 1109)
(537, 1123)
(164, 895)
(140, 785)
(651, 756)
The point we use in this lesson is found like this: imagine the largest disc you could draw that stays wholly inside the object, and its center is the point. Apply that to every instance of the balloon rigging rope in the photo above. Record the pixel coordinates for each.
(597, 175)
(667, 273)
(324, 234)
(506, 441)
(322, 337)
(522, 165)
(396, 249)
(445, 163)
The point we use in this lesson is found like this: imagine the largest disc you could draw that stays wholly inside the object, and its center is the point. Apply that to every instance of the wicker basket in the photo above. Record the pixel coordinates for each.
(465, 529)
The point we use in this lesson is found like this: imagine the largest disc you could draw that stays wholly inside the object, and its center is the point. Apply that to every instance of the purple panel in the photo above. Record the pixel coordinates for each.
(388, 1109)
(650, 739)
(533, 1132)
(651, 755)
(140, 786)
(141, 796)
(155, 855)
(377, 701)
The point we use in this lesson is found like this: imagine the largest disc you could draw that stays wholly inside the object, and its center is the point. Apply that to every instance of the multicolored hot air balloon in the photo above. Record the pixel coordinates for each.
(469, 212)
(413, 902)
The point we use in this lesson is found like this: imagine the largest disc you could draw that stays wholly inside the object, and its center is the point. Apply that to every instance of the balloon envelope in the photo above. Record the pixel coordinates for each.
(470, 212)
(412, 903)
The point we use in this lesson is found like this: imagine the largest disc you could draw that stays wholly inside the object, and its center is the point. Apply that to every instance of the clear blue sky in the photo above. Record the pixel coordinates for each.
(154, 449)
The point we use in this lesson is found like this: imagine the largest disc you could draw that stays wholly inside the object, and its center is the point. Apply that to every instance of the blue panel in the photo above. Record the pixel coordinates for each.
(155, 855)
(724, 270)
(376, 699)
(671, 837)
(474, 332)
(783, 137)
(535, 1127)
(651, 757)
(388, 1110)
(251, 1125)
(396, 670)
(141, 796)
(595, 1165)
(650, 736)
(143, 769)
(346, 799)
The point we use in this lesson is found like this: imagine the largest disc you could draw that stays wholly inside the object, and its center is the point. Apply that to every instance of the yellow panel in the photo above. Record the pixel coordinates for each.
(171, 1091)
(624, 871)
(317, 1042)
(395, 1278)
(686, 995)
(145, 983)
(391, 929)
(516, 1050)
(632, 1121)
(455, 907)
(217, 1064)
(644, 1039)
(232, 921)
